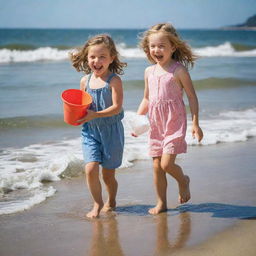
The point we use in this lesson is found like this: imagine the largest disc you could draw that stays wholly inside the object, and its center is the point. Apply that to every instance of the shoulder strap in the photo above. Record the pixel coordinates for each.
(88, 82)
(109, 79)
(174, 66)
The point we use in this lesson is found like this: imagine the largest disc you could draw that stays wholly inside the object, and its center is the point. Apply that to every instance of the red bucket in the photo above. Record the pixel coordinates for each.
(75, 104)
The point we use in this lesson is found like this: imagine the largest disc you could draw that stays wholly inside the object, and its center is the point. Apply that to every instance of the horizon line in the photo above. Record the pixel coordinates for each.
(110, 28)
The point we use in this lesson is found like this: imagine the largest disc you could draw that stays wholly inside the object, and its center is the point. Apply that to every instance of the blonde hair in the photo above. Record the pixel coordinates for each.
(183, 52)
(79, 58)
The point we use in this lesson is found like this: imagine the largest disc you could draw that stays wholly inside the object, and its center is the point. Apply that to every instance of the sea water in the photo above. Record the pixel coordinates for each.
(37, 148)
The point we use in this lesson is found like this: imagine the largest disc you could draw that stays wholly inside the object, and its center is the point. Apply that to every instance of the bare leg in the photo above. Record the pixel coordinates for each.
(160, 186)
(111, 186)
(169, 166)
(93, 182)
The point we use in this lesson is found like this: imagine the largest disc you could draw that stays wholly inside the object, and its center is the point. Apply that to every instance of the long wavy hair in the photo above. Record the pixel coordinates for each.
(183, 52)
(79, 57)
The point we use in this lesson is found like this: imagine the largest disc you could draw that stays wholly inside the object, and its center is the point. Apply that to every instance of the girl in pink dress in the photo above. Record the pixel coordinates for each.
(163, 101)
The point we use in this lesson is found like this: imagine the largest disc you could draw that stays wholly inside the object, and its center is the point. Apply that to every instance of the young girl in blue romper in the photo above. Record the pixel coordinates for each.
(102, 132)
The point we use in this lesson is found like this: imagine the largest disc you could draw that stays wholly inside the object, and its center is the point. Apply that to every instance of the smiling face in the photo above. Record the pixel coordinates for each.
(99, 59)
(160, 48)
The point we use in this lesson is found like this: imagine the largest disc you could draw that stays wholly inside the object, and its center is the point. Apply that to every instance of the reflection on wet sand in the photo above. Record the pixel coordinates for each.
(164, 245)
(105, 238)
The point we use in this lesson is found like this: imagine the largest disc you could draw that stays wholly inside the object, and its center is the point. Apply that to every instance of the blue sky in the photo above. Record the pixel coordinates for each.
(123, 13)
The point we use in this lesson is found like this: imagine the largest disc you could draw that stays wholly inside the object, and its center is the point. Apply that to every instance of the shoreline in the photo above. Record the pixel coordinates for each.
(223, 208)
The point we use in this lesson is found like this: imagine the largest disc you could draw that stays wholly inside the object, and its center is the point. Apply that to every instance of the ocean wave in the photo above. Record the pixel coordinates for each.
(32, 168)
(221, 83)
(202, 84)
(19, 122)
(130, 52)
(27, 53)
(227, 127)
(25, 47)
(242, 47)
(224, 50)
(39, 54)
(20, 47)
(13, 206)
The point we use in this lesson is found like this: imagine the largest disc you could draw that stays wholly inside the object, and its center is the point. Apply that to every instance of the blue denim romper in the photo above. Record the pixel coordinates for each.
(103, 138)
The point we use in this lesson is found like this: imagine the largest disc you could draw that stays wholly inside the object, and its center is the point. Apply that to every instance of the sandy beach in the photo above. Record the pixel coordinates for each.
(219, 219)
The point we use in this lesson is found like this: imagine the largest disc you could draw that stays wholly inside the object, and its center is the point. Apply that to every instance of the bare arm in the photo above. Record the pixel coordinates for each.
(115, 108)
(83, 83)
(143, 107)
(184, 79)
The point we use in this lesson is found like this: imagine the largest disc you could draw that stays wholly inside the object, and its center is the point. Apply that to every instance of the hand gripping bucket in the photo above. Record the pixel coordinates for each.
(75, 104)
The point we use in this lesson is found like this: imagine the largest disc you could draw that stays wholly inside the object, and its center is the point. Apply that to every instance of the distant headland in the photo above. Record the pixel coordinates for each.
(250, 24)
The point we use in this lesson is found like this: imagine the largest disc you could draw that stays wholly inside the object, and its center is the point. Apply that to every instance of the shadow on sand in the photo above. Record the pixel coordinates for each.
(219, 210)
(105, 237)
(138, 210)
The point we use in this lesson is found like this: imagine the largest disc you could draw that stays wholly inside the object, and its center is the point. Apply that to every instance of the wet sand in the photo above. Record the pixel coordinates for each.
(219, 220)
(239, 240)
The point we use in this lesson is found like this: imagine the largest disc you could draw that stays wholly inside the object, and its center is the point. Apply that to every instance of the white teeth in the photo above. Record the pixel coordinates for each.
(159, 57)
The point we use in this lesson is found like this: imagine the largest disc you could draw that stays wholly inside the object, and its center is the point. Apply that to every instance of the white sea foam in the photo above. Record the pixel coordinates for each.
(225, 50)
(53, 54)
(130, 52)
(230, 126)
(40, 54)
(28, 168)
(12, 206)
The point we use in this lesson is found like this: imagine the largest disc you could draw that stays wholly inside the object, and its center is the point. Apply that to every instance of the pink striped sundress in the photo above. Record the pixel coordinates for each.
(167, 114)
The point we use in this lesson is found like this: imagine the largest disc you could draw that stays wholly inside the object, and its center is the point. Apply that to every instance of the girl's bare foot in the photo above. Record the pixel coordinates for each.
(95, 212)
(109, 206)
(184, 191)
(158, 209)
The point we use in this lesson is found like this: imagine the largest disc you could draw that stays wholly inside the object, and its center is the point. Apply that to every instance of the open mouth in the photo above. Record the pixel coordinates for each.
(159, 57)
(98, 68)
